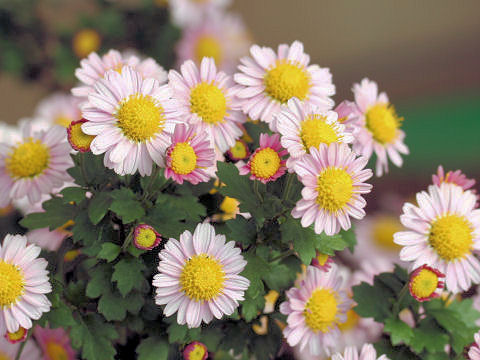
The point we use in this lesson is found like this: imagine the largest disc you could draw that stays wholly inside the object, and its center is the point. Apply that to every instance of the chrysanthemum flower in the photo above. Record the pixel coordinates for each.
(334, 180)
(191, 12)
(18, 336)
(58, 109)
(424, 282)
(94, 67)
(77, 139)
(380, 127)
(348, 115)
(54, 343)
(266, 163)
(239, 151)
(34, 166)
(314, 311)
(199, 277)
(444, 231)
(145, 237)
(368, 352)
(9, 351)
(132, 119)
(474, 351)
(189, 155)
(23, 283)
(86, 41)
(322, 261)
(50, 240)
(195, 351)
(303, 126)
(452, 177)
(207, 96)
(269, 80)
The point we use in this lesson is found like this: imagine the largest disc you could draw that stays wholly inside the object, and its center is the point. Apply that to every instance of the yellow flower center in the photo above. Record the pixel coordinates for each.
(79, 138)
(146, 237)
(265, 163)
(383, 122)
(55, 351)
(63, 120)
(86, 41)
(17, 335)
(335, 189)
(140, 117)
(322, 259)
(315, 131)
(202, 278)
(286, 80)
(351, 323)
(451, 237)
(209, 103)
(28, 159)
(239, 150)
(197, 353)
(424, 283)
(229, 205)
(321, 310)
(208, 46)
(12, 284)
(184, 159)
(383, 230)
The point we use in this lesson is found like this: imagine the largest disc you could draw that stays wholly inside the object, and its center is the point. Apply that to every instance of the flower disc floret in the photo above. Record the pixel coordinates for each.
(335, 189)
(12, 284)
(321, 310)
(424, 283)
(451, 237)
(209, 103)
(286, 80)
(184, 159)
(28, 159)
(383, 123)
(315, 131)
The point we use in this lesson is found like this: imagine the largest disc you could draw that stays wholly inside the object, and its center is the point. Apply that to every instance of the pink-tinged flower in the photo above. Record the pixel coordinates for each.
(222, 36)
(379, 127)
(268, 80)
(474, 351)
(50, 240)
(334, 181)
(303, 126)
(16, 337)
(444, 233)
(189, 155)
(368, 352)
(199, 277)
(132, 119)
(315, 309)
(322, 261)
(77, 139)
(59, 109)
(34, 166)
(54, 343)
(145, 237)
(195, 351)
(9, 351)
(266, 163)
(453, 177)
(239, 151)
(23, 285)
(348, 115)
(192, 12)
(207, 96)
(94, 67)
(424, 282)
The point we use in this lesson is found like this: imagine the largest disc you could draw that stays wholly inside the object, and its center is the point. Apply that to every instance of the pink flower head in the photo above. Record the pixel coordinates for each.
(266, 163)
(368, 352)
(55, 343)
(333, 177)
(424, 282)
(17, 336)
(77, 139)
(59, 109)
(145, 237)
(474, 351)
(322, 261)
(268, 80)
(207, 98)
(453, 177)
(239, 151)
(379, 127)
(348, 115)
(192, 12)
(189, 155)
(195, 351)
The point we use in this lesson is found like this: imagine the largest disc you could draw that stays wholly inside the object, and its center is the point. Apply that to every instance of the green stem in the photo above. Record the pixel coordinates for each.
(22, 345)
(402, 294)
(288, 186)
(153, 177)
(256, 191)
(282, 255)
(128, 240)
(83, 169)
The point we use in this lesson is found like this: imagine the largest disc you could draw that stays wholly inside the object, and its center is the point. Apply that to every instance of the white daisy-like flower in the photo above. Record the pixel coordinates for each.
(199, 277)
(368, 352)
(59, 109)
(132, 119)
(268, 80)
(207, 97)
(444, 233)
(193, 12)
(23, 285)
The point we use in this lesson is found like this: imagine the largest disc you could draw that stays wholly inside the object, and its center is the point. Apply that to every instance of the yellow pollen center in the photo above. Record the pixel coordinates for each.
(12, 284)
(140, 117)
(424, 283)
(315, 131)
(197, 353)
(383, 230)
(146, 237)
(208, 46)
(239, 151)
(17, 335)
(86, 41)
(63, 120)
(352, 321)
(286, 80)
(55, 351)
(79, 138)
(451, 237)
(265, 163)
(335, 189)
(184, 159)
(321, 310)
(202, 278)
(209, 103)
(383, 122)
(28, 159)
(322, 259)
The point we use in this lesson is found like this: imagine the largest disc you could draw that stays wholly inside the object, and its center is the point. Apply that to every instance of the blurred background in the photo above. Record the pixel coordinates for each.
(424, 54)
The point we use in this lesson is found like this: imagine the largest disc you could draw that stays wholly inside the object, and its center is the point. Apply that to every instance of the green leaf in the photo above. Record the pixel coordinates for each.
(109, 251)
(98, 207)
(242, 230)
(61, 316)
(350, 238)
(56, 214)
(177, 333)
(128, 274)
(75, 194)
(281, 276)
(252, 306)
(253, 271)
(100, 281)
(153, 348)
(84, 230)
(428, 335)
(373, 301)
(398, 330)
(126, 205)
(111, 308)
